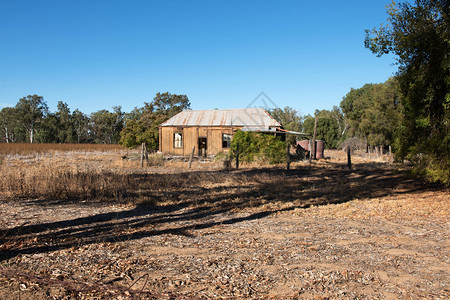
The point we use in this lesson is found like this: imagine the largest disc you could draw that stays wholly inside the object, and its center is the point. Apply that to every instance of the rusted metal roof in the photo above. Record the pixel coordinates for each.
(246, 117)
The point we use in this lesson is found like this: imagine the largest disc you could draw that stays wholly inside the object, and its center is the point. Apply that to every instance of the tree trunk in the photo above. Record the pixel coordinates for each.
(6, 135)
(349, 158)
(237, 156)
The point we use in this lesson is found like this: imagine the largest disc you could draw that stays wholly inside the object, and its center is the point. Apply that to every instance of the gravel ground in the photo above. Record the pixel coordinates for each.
(390, 246)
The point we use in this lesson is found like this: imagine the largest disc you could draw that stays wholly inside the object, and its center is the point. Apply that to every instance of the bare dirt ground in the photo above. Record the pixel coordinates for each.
(251, 233)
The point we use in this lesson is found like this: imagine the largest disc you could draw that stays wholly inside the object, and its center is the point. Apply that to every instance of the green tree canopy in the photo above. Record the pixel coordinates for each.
(80, 123)
(288, 117)
(373, 112)
(328, 128)
(105, 126)
(167, 104)
(65, 131)
(142, 125)
(255, 145)
(30, 112)
(418, 34)
(11, 130)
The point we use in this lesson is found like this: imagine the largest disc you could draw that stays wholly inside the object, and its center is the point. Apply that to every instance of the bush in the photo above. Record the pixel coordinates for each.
(354, 143)
(435, 170)
(254, 145)
(222, 156)
(156, 160)
(136, 133)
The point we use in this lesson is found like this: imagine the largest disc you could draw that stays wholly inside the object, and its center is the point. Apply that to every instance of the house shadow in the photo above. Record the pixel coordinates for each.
(195, 205)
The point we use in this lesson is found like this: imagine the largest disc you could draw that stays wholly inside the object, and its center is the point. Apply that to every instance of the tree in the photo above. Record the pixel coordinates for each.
(337, 115)
(373, 112)
(9, 127)
(353, 105)
(146, 128)
(136, 133)
(167, 104)
(48, 129)
(134, 115)
(418, 34)
(327, 128)
(81, 126)
(30, 110)
(257, 145)
(105, 126)
(65, 131)
(119, 116)
(288, 117)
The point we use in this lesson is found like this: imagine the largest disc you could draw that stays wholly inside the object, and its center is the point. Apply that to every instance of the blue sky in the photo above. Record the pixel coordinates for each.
(221, 54)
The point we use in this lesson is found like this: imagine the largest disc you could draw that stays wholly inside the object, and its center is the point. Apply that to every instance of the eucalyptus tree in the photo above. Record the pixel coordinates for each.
(9, 127)
(105, 126)
(143, 123)
(418, 34)
(373, 112)
(327, 129)
(65, 131)
(30, 112)
(80, 123)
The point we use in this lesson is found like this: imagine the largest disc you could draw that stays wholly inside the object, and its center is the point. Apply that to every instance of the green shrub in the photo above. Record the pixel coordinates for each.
(222, 156)
(437, 170)
(136, 133)
(254, 145)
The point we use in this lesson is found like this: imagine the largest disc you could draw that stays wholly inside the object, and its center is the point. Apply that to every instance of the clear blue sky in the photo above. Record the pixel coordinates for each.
(221, 54)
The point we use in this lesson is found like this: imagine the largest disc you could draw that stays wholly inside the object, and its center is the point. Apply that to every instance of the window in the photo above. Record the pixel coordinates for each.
(178, 140)
(226, 140)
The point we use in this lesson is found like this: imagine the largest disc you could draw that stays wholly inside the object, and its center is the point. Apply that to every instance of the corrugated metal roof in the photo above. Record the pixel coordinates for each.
(256, 117)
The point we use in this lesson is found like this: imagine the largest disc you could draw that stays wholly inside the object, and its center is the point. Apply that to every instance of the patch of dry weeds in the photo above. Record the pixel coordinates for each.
(314, 232)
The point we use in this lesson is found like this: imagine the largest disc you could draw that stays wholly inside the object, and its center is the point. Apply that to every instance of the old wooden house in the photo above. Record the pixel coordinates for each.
(210, 131)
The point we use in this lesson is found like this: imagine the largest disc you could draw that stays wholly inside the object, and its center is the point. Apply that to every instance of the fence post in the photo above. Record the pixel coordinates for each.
(349, 158)
(142, 155)
(192, 156)
(313, 149)
(146, 155)
(237, 156)
(288, 158)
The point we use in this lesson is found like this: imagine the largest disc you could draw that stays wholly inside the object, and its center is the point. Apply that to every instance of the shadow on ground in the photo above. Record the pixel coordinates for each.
(182, 203)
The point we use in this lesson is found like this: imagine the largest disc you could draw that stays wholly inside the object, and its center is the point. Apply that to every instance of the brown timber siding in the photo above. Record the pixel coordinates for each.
(190, 139)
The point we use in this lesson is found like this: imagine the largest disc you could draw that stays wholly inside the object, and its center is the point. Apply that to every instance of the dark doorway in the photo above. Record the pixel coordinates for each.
(202, 146)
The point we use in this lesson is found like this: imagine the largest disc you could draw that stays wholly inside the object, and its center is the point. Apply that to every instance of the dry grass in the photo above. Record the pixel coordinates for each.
(89, 174)
(32, 149)
(259, 232)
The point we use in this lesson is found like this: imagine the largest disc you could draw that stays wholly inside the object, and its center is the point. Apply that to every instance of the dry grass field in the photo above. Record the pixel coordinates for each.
(91, 224)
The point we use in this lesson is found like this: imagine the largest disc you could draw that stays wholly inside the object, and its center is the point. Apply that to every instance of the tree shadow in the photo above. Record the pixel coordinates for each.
(192, 201)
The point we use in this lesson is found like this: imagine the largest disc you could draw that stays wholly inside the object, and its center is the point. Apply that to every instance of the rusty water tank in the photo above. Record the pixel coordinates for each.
(304, 144)
(320, 147)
